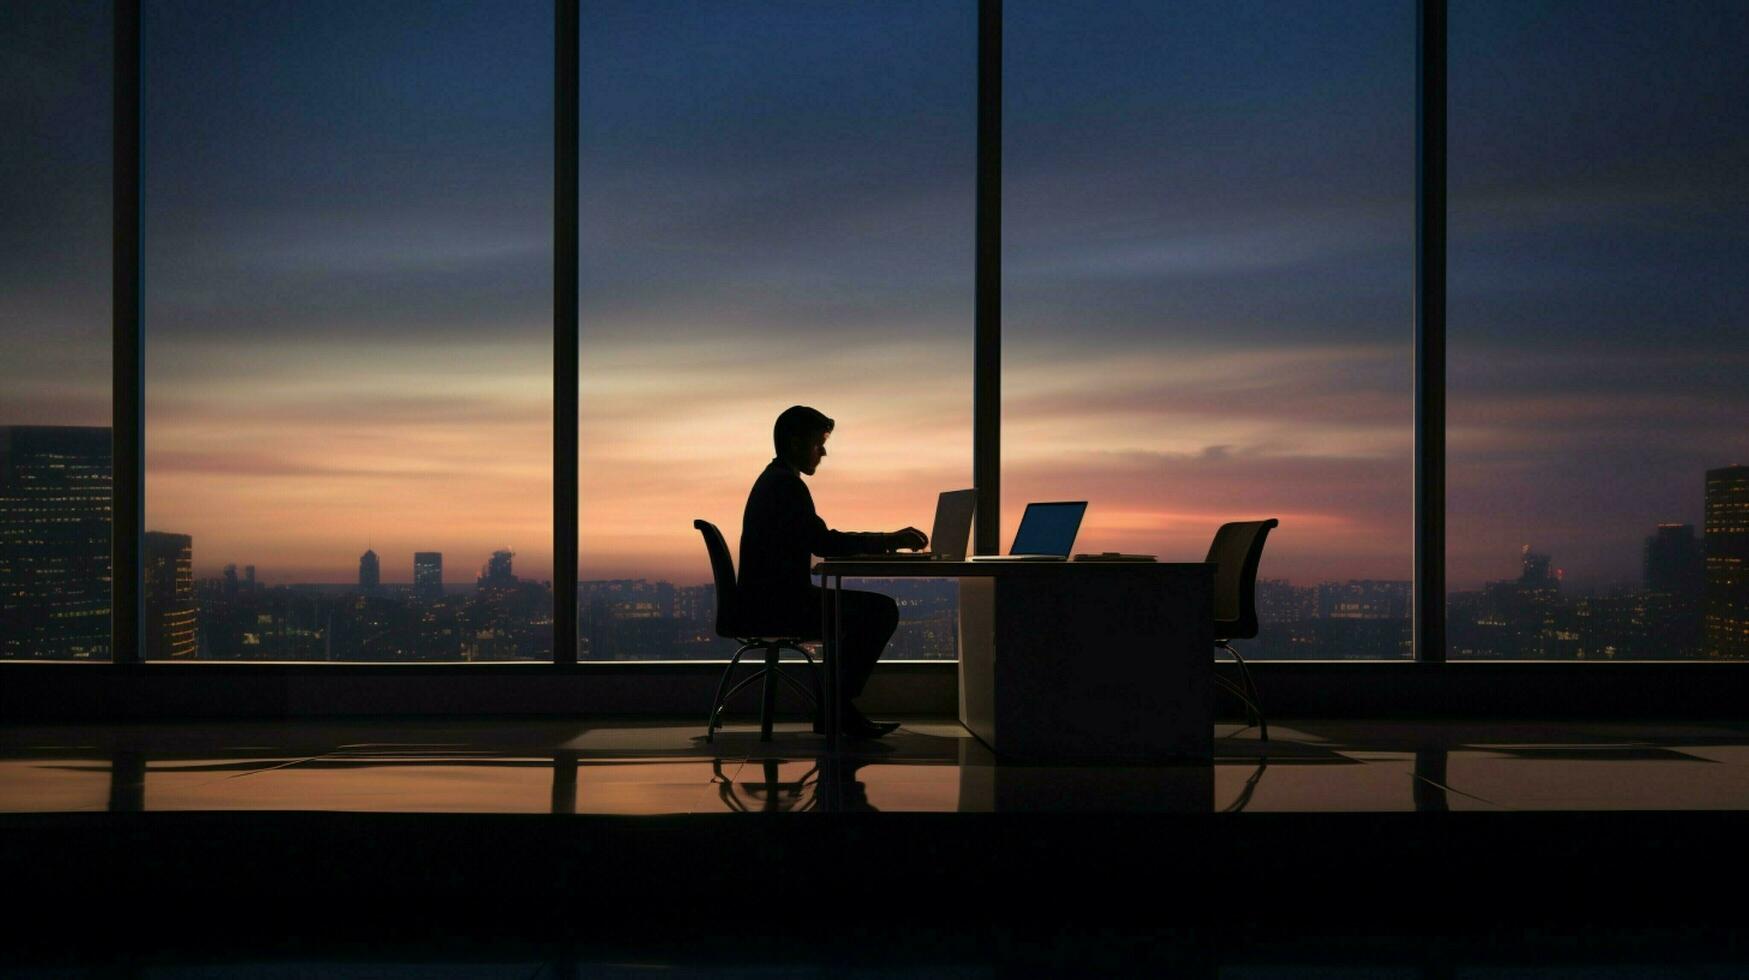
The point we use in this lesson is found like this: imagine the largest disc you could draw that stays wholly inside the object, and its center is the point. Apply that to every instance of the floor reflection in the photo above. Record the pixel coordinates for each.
(58, 785)
(774, 791)
(636, 769)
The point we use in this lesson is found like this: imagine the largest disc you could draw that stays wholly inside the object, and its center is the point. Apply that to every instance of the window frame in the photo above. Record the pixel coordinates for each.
(1428, 615)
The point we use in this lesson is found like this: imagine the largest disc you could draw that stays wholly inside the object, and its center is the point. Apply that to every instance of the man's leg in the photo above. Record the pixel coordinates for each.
(870, 620)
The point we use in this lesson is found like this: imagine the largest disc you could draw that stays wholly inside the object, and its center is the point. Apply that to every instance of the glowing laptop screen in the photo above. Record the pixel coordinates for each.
(1048, 529)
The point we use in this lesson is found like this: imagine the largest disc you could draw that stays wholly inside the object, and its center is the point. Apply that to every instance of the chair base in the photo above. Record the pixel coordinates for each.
(1246, 693)
(772, 673)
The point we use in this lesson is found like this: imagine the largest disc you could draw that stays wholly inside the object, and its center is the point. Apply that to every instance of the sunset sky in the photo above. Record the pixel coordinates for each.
(1208, 260)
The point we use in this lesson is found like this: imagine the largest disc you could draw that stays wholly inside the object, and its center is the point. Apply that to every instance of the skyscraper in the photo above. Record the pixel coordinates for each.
(428, 574)
(169, 596)
(1673, 561)
(497, 570)
(1670, 606)
(1534, 570)
(1727, 562)
(370, 571)
(54, 541)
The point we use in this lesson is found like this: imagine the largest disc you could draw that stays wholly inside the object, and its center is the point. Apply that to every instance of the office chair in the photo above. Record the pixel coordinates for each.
(730, 625)
(1235, 551)
(771, 795)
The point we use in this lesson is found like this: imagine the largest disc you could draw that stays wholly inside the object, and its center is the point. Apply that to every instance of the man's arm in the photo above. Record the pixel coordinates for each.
(862, 542)
(825, 542)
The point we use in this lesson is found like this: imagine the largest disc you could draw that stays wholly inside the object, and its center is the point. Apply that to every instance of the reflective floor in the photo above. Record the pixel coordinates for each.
(564, 848)
(930, 765)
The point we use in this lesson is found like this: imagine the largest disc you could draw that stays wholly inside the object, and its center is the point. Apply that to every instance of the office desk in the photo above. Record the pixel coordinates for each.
(1069, 660)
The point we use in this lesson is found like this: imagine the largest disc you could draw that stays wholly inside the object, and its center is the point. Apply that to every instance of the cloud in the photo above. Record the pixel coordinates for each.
(1102, 245)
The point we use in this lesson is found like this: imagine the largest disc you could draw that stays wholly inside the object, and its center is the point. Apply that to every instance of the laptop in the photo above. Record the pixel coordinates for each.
(1047, 532)
(947, 539)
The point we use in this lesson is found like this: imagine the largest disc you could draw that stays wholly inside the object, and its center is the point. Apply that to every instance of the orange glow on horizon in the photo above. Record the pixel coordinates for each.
(297, 467)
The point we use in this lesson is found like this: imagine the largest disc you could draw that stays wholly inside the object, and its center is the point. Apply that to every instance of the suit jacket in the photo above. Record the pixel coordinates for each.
(779, 533)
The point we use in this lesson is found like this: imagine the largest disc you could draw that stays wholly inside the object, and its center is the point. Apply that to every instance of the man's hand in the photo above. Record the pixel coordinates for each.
(908, 539)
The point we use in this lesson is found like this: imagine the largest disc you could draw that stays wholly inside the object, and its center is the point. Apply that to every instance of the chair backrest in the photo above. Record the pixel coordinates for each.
(1235, 551)
(723, 571)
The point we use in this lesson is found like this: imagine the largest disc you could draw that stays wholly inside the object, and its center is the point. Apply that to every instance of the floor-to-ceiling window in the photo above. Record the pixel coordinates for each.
(777, 207)
(1599, 330)
(1207, 306)
(55, 331)
(1207, 260)
(347, 240)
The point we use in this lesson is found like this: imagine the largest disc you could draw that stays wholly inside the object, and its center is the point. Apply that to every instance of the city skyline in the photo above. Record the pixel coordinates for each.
(55, 539)
(703, 578)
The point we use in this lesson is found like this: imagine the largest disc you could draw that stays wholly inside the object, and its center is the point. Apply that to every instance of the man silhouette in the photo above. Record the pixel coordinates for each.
(780, 530)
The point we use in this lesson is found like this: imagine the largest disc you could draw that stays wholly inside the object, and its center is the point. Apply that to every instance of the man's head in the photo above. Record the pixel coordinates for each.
(800, 437)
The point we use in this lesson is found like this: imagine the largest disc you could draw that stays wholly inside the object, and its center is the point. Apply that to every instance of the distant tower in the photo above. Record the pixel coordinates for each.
(370, 571)
(169, 596)
(1727, 562)
(1534, 569)
(1674, 562)
(249, 578)
(230, 580)
(428, 574)
(54, 541)
(497, 570)
(1675, 581)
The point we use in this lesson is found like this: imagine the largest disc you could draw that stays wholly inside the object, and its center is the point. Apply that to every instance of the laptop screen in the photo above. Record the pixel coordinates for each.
(1048, 529)
(953, 523)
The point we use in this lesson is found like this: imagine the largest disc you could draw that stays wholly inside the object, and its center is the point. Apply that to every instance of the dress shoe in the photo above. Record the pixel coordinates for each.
(870, 729)
(856, 721)
(856, 726)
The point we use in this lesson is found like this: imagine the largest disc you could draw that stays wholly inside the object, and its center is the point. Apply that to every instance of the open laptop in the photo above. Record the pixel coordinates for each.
(947, 539)
(1047, 532)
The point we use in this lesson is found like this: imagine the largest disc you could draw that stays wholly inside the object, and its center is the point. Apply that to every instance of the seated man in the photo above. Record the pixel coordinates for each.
(778, 534)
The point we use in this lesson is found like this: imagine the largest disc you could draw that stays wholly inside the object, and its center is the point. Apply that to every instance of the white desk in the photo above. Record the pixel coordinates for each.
(1070, 660)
